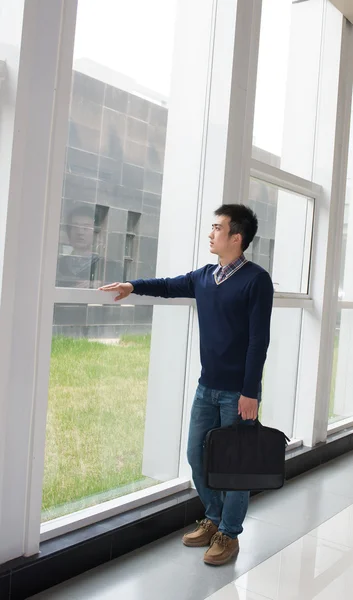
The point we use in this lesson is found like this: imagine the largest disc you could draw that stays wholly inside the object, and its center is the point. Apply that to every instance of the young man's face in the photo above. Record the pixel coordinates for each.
(221, 243)
(82, 233)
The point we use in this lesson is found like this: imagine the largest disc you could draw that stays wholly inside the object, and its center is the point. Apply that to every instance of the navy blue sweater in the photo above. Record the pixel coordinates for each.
(234, 319)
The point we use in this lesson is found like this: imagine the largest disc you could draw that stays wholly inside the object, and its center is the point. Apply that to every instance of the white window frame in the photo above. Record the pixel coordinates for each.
(38, 159)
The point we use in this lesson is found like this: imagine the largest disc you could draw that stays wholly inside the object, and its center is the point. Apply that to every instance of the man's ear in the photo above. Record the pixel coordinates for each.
(237, 238)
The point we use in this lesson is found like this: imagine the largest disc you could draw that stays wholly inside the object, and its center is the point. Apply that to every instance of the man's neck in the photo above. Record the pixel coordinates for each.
(226, 260)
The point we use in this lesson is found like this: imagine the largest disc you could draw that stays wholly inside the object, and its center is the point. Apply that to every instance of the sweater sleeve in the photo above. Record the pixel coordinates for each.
(176, 287)
(260, 308)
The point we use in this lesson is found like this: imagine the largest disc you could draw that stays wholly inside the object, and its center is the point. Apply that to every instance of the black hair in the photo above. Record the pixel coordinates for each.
(80, 211)
(242, 220)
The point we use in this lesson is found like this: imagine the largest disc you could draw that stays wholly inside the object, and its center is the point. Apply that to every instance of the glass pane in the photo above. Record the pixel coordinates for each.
(271, 80)
(116, 140)
(283, 242)
(111, 200)
(289, 67)
(341, 401)
(96, 448)
(281, 370)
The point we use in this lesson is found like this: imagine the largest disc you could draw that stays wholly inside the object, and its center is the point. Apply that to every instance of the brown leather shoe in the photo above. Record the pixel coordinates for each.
(222, 549)
(202, 535)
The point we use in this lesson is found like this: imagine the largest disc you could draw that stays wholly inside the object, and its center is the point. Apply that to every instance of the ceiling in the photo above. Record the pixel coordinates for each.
(346, 7)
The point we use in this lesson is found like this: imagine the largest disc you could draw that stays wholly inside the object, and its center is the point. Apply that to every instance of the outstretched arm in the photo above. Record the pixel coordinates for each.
(175, 287)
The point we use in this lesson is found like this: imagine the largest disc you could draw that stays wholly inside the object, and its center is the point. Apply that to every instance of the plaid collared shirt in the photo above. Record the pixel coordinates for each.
(223, 273)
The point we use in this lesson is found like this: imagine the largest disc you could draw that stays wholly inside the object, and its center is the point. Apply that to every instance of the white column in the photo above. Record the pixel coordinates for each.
(10, 45)
(210, 119)
(29, 258)
(343, 403)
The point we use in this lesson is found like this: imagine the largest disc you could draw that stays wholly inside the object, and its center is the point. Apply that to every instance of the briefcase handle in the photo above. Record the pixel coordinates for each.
(259, 425)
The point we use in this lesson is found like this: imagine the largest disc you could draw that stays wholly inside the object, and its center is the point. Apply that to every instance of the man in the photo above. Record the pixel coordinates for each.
(234, 304)
(80, 268)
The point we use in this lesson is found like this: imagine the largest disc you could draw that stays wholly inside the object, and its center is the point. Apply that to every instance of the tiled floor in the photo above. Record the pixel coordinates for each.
(318, 566)
(297, 544)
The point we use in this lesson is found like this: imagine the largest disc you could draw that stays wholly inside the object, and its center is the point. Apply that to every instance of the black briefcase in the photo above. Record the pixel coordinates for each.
(245, 458)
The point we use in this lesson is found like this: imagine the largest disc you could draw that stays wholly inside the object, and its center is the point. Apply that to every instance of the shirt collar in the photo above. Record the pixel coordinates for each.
(232, 265)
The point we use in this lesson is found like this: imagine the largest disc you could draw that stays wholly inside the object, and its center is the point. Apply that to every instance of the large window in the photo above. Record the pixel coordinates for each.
(98, 447)
(97, 407)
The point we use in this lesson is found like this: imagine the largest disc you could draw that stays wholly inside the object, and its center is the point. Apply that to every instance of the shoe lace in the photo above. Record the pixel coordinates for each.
(204, 524)
(221, 539)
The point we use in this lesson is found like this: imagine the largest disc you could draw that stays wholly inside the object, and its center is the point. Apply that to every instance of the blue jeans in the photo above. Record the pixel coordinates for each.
(214, 408)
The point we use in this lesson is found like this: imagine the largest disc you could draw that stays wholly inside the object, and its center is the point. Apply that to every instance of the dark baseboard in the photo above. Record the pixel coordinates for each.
(74, 553)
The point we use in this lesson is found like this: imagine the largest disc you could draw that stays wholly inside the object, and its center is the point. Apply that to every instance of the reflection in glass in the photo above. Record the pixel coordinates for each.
(80, 263)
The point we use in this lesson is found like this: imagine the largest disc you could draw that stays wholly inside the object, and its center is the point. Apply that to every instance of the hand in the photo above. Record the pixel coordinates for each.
(248, 408)
(123, 289)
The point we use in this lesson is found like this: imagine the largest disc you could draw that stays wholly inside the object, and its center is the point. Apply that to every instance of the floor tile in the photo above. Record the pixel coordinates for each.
(60, 592)
(143, 578)
(143, 574)
(297, 507)
(233, 592)
(340, 588)
(300, 571)
(335, 477)
(338, 529)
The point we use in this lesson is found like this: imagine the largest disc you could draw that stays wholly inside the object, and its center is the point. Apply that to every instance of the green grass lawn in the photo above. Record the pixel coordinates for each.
(96, 421)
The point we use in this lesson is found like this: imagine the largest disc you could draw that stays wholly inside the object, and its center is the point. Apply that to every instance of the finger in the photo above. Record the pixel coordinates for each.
(115, 284)
(107, 286)
(111, 286)
(117, 298)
